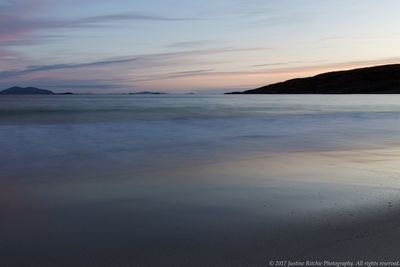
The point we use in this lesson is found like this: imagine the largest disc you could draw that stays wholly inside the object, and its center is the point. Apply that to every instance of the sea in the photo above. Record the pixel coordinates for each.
(190, 180)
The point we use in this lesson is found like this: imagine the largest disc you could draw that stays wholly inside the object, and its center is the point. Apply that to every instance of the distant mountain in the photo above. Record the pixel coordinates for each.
(148, 93)
(25, 91)
(373, 80)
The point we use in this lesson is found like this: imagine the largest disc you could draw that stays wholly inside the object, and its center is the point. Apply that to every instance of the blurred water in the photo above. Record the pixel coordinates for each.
(97, 174)
(46, 132)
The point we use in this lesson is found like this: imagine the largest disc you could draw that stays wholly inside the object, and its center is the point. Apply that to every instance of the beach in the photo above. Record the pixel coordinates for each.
(199, 180)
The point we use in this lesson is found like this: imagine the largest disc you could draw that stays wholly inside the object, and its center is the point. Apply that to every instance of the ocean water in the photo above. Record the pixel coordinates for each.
(46, 134)
(182, 180)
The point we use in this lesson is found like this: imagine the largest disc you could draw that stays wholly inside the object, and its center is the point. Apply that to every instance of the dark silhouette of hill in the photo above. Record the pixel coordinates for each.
(25, 91)
(372, 80)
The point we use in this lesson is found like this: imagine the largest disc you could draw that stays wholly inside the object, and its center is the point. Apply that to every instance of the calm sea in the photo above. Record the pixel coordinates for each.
(118, 180)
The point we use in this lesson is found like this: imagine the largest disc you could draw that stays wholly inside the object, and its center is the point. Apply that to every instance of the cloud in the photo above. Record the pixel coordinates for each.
(41, 68)
(180, 74)
(128, 16)
(192, 72)
(141, 61)
(4, 54)
(86, 86)
(22, 21)
(16, 27)
(127, 70)
(274, 64)
(81, 85)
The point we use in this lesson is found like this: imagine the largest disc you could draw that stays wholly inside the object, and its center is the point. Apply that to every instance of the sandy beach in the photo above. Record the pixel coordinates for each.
(306, 206)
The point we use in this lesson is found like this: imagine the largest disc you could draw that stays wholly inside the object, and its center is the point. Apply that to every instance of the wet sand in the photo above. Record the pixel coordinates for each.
(314, 205)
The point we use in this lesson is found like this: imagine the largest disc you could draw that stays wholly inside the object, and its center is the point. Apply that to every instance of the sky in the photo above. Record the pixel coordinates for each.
(179, 46)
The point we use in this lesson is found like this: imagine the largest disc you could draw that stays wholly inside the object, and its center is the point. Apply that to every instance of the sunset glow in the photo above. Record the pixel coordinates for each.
(188, 46)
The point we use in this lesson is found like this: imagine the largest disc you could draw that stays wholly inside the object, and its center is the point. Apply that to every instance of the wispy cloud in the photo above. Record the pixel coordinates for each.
(129, 16)
(192, 72)
(20, 20)
(274, 64)
(142, 61)
(80, 85)
(41, 68)
(127, 70)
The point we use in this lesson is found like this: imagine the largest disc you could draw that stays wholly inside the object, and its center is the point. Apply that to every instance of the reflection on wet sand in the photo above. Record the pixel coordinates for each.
(247, 210)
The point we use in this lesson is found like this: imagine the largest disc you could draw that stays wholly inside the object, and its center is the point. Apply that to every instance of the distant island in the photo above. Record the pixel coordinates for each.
(66, 93)
(148, 93)
(372, 80)
(16, 90)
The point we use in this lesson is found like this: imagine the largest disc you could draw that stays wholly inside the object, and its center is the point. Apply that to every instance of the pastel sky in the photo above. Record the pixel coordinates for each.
(207, 46)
